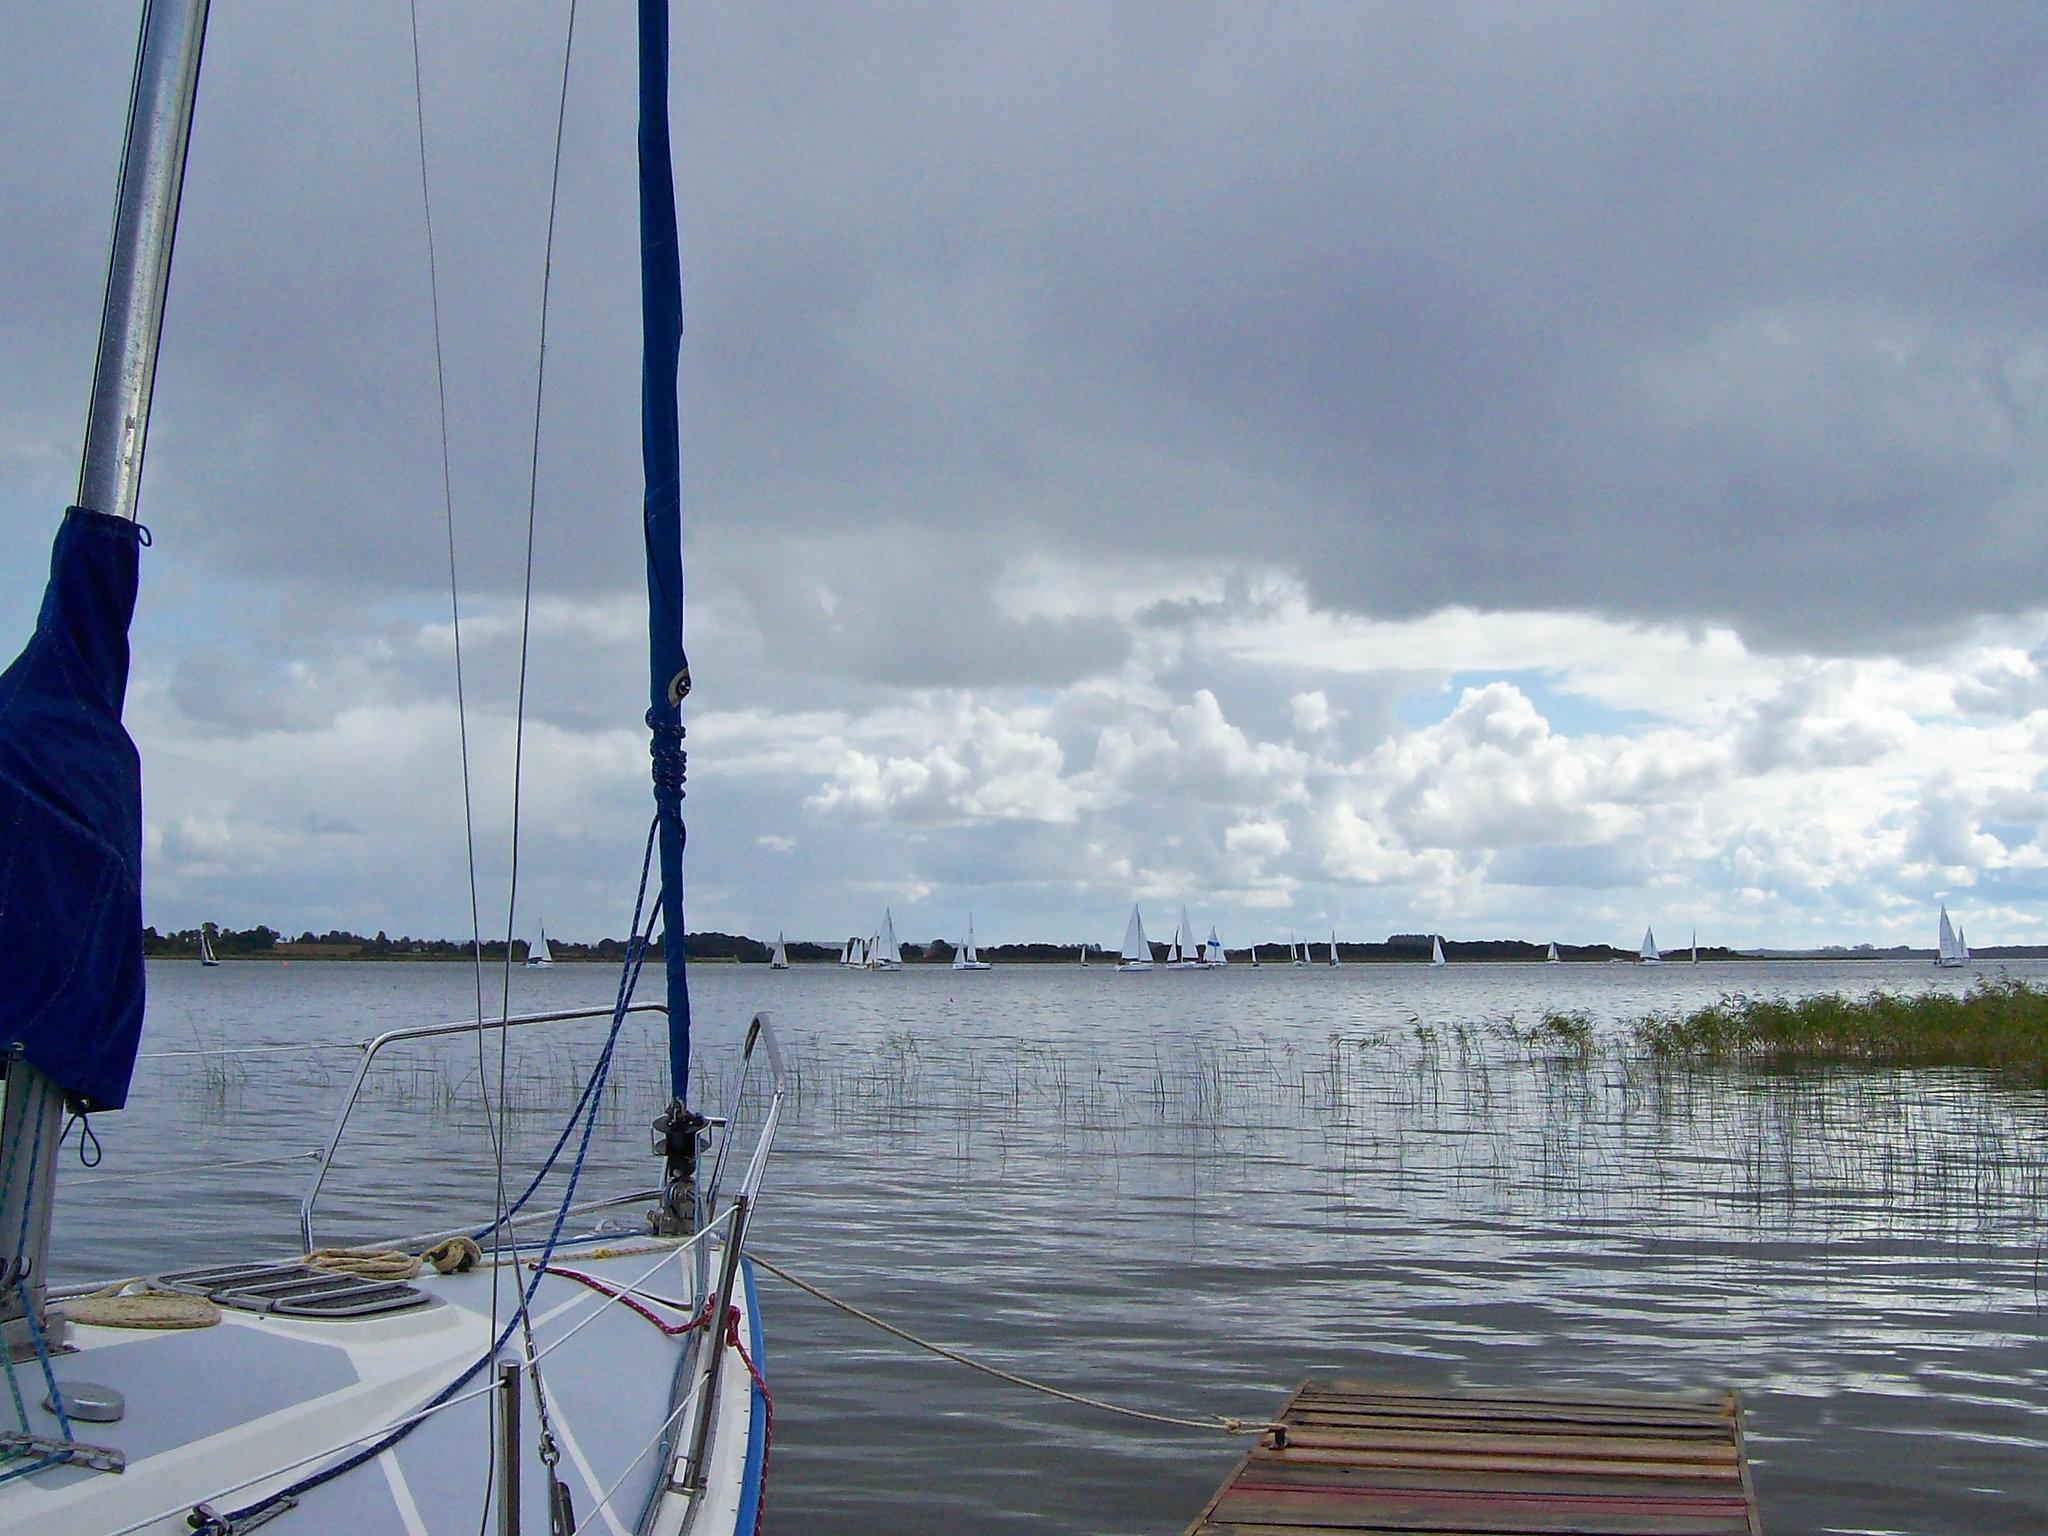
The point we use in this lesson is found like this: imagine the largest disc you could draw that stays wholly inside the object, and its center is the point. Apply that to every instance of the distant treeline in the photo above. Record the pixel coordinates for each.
(263, 942)
(267, 943)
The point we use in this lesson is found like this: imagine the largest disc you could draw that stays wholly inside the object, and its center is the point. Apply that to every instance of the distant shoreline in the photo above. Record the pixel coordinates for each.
(265, 943)
(327, 954)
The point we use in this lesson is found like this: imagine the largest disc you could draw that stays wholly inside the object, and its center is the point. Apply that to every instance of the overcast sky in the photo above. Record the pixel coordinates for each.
(1525, 470)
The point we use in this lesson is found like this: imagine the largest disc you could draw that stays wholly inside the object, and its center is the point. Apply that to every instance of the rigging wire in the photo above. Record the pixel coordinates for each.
(476, 927)
(505, 1234)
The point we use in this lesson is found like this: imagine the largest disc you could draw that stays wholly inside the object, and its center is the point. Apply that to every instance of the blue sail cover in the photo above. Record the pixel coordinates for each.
(71, 823)
(661, 345)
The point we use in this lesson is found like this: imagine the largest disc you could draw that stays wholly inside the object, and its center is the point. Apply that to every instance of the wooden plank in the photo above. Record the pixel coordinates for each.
(1507, 1517)
(1714, 1421)
(1505, 1479)
(1601, 1447)
(1479, 1512)
(1452, 1461)
(1720, 1400)
(1383, 1459)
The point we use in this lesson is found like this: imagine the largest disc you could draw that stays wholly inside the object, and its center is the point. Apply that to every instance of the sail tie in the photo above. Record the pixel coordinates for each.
(671, 762)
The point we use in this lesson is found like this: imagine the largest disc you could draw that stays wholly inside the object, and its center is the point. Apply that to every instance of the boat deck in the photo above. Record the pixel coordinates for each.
(1363, 1457)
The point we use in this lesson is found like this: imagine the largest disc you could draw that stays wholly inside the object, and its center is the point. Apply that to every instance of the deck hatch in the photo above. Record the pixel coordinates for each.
(291, 1289)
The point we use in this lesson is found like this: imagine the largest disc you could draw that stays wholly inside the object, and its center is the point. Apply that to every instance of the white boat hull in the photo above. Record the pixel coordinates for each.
(231, 1414)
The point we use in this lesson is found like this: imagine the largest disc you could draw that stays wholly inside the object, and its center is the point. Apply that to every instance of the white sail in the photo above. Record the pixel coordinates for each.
(1962, 944)
(1333, 948)
(1436, 950)
(1695, 946)
(964, 958)
(779, 961)
(1255, 954)
(1137, 953)
(885, 955)
(845, 952)
(1084, 953)
(206, 954)
(1297, 953)
(1552, 958)
(540, 955)
(1212, 952)
(1648, 953)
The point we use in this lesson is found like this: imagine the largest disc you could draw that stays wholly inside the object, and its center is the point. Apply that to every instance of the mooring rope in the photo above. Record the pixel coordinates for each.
(1215, 1422)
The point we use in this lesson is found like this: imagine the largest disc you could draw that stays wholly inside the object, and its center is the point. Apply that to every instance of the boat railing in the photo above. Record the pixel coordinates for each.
(761, 1033)
(373, 1047)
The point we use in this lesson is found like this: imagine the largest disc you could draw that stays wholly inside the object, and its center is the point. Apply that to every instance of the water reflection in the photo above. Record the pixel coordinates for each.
(1189, 1191)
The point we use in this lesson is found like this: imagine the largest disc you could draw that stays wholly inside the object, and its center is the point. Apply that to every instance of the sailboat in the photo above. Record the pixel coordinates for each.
(1185, 953)
(1553, 958)
(1137, 951)
(1255, 956)
(1212, 951)
(779, 961)
(1695, 946)
(883, 955)
(206, 954)
(1949, 953)
(1297, 954)
(1436, 950)
(540, 957)
(1648, 954)
(965, 959)
(293, 1396)
(1084, 954)
(1334, 959)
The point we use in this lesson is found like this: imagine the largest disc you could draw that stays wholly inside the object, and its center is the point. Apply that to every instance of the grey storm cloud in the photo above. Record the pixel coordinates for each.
(1700, 319)
(1718, 313)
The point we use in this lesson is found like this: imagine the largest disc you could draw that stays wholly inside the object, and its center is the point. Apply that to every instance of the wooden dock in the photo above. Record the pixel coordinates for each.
(1357, 1458)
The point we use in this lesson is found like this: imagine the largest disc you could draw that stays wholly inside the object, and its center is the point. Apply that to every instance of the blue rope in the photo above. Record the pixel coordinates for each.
(35, 1150)
(586, 1110)
(35, 1326)
(35, 1333)
(636, 952)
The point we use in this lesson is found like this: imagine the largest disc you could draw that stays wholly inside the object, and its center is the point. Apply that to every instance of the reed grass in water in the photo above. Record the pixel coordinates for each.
(2000, 1026)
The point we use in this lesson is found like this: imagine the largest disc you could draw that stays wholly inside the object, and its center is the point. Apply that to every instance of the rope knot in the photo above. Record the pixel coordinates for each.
(671, 762)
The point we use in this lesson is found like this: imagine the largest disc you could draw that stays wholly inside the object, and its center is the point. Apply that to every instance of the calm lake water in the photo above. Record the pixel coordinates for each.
(1188, 1192)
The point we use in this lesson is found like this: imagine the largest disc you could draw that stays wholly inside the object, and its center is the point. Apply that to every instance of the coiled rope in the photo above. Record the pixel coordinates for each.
(450, 1256)
(115, 1306)
(1215, 1422)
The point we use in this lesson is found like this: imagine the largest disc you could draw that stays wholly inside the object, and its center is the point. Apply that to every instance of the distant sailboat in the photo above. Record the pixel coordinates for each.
(1137, 952)
(1185, 953)
(1212, 952)
(1334, 961)
(1436, 950)
(206, 954)
(883, 954)
(1963, 944)
(1255, 956)
(540, 957)
(779, 961)
(1553, 958)
(1695, 946)
(1297, 954)
(1084, 954)
(1949, 953)
(1648, 954)
(964, 958)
